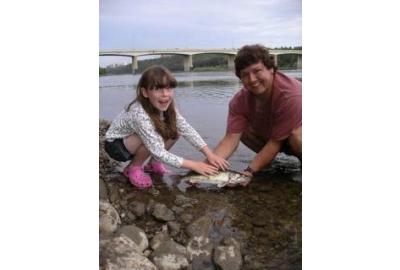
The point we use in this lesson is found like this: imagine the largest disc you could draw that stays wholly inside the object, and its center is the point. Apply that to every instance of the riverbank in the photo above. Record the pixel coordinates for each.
(260, 224)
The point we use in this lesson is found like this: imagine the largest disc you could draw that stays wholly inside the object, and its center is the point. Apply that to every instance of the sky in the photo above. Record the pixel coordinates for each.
(157, 24)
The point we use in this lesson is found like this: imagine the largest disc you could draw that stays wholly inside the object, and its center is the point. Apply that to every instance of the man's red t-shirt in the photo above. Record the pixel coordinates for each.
(271, 122)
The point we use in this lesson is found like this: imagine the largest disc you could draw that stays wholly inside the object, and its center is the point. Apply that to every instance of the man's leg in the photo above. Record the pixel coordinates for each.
(295, 142)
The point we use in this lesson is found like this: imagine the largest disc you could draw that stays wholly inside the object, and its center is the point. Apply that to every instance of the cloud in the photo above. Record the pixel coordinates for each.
(127, 24)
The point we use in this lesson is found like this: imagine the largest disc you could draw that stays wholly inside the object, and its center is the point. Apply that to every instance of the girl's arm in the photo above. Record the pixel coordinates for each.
(194, 138)
(199, 167)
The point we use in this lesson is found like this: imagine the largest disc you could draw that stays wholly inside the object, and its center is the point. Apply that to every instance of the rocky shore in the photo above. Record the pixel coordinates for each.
(257, 227)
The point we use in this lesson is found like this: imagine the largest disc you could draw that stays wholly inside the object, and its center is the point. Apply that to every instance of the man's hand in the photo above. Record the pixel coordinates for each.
(217, 161)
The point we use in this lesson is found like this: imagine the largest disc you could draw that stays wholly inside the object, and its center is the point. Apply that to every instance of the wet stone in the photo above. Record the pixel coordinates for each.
(177, 209)
(136, 234)
(123, 203)
(184, 201)
(200, 248)
(138, 208)
(122, 253)
(228, 257)
(109, 218)
(117, 177)
(150, 206)
(159, 238)
(103, 194)
(201, 263)
(174, 227)
(161, 212)
(131, 216)
(199, 227)
(186, 218)
(170, 256)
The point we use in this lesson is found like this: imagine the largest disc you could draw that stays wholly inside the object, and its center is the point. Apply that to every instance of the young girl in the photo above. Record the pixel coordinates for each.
(150, 126)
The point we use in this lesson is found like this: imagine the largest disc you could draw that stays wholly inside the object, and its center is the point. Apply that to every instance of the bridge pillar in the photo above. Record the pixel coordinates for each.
(299, 61)
(134, 64)
(231, 62)
(187, 63)
(275, 59)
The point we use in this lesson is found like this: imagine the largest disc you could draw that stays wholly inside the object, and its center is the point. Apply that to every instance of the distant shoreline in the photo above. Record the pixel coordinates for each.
(199, 69)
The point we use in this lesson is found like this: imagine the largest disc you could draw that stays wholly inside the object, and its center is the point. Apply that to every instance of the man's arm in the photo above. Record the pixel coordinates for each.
(266, 155)
(228, 145)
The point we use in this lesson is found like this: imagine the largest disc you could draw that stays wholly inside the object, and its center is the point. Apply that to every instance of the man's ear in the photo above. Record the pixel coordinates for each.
(144, 92)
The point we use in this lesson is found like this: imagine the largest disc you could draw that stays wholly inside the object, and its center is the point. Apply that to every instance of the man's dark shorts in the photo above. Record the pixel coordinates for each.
(117, 150)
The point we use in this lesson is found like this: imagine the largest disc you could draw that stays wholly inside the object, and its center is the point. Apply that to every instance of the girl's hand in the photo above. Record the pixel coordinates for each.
(217, 161)
(204, 168)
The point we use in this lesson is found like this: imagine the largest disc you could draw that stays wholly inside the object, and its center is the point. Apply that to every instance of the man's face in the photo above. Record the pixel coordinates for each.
(257, 78)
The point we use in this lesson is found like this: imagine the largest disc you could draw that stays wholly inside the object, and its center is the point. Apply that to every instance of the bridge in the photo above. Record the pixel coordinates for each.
(188, 55)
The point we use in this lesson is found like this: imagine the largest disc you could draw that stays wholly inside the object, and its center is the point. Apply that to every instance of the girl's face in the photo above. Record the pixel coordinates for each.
(160, 98)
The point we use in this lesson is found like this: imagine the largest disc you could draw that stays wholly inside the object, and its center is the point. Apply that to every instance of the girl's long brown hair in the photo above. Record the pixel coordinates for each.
(157, 77)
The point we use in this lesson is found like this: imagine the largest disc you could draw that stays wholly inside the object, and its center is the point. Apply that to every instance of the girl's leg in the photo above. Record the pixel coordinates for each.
(134, 171)
(135, 146)
(168, 144)
(156, 166)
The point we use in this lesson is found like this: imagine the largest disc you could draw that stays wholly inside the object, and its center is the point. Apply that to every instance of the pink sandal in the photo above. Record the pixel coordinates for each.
(138, 177)
(156, 167)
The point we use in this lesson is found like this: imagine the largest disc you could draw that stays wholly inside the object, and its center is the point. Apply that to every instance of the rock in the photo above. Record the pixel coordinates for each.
(147, 252)
(138, 208)
(201, 263)
(173, 227)
(230, 241)
(186, 218)
(228, 257)
(117, 177)
(252, 263)
(109, 218)
(177, 209)
(200, 227)
(199, 249)
(136, 234)
(170, 256)
(131, 216)
(159, 238)
(150, 206)
(161, 212)
(103, 194)
(114, 196)
(183, 201)
(120, 253)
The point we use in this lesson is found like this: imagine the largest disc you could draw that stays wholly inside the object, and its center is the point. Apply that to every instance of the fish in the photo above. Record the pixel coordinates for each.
(223, 178)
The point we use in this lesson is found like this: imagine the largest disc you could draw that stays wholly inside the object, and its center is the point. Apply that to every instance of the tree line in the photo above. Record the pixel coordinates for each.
(201, 62)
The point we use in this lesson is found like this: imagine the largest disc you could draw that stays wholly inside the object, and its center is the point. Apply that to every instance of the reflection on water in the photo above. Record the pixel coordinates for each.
(201, 97)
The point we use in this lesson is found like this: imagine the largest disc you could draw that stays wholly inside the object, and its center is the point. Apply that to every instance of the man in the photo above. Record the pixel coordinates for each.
(266, 113)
